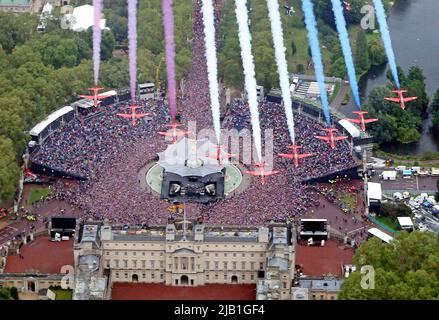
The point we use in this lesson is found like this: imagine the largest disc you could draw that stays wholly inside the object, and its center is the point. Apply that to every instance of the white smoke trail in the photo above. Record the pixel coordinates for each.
(249, 72)
(212, 64)
(281, 61)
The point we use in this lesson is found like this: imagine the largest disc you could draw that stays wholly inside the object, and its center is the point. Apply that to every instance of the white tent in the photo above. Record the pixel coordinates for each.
(82, 18)
(389, 175)
(405, 223)
(380, 235)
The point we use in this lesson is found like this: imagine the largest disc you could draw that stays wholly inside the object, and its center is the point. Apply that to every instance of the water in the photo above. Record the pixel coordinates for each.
(413, 25)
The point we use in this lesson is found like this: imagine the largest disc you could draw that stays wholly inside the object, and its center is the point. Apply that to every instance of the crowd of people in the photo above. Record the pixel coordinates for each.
(82, 146)
(109, 152)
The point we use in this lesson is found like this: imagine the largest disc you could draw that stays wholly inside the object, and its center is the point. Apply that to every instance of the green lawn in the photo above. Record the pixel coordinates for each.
(349, 199)
(300, 37)
(63, 294)
(36, 194)
(391, 223)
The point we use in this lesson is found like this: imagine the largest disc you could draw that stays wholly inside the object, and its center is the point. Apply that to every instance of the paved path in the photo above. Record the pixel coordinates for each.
(337, 102)
(50, 208)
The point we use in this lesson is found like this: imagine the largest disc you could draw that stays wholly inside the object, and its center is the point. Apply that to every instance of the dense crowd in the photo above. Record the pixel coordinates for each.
(109, 151)
(84, 145)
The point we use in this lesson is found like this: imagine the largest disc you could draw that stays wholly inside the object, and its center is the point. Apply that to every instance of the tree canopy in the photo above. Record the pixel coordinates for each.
(405, 269)
(41, 72)
(397, 125)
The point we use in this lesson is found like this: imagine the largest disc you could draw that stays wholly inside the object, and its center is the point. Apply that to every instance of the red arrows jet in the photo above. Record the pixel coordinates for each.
(330, 138)
(401, 99)
(295, 154)
(361, 120)
(261, 173)
(174, 132)
(221, 155)
(30, 174)
(96, 97)
(133, 115)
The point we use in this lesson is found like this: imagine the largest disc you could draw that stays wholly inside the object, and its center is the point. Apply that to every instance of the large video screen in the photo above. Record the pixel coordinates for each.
(63, 223)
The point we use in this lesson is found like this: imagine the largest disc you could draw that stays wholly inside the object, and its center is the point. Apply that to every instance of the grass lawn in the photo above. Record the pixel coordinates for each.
(300, 37)
(36, 194)
(349, 199)
(388, 222)
(63, 294)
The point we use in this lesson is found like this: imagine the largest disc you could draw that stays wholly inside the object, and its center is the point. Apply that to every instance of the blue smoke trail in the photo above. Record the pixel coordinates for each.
(311, 26)
(346, 48)
(385, 36)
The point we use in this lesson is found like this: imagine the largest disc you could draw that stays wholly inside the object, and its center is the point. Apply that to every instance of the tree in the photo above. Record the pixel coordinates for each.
(377, 53)
(14, 293)
(293, 48)
(361, 53)
(397, 125)
(118, 25)
(338, 68)
(9, 171)
(394, 211)
(434, 110)
(407, 268)
(355, 14)
(107, 46)
(5, 294)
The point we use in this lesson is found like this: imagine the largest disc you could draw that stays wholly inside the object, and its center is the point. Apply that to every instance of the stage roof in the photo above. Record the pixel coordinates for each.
(350, 128)
(380, 234)
(35, 131)
(190, 158)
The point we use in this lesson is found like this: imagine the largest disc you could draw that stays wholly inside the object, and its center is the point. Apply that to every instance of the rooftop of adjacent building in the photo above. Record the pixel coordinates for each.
(324, 284)
(90, 232)
(143, 291)
(323, 261)
(41, 256)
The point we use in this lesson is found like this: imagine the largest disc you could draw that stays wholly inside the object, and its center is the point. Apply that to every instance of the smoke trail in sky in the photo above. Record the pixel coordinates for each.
(282, 67)
(132, 46)
(97, 36)
(168, 24)
(212, 64)
(311, 26)
(385, 36)
(249, 72)
(346, 48)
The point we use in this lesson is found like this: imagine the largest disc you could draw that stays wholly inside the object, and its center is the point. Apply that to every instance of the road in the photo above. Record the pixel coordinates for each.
(415, 184)
(338, 100)
(428, 219)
